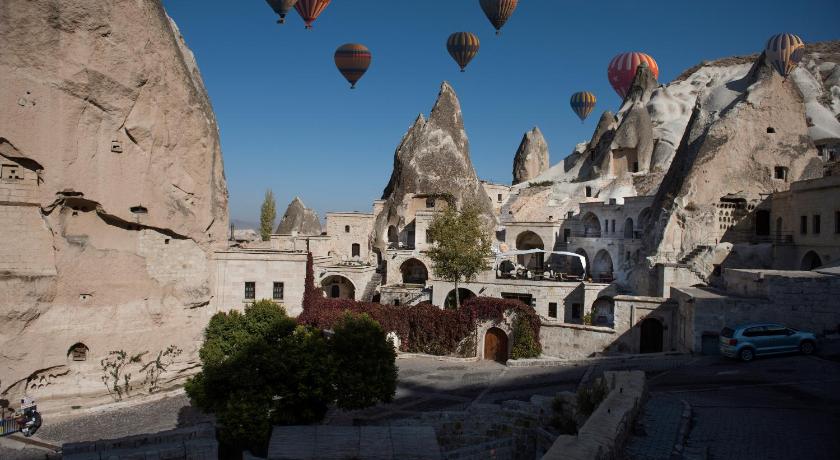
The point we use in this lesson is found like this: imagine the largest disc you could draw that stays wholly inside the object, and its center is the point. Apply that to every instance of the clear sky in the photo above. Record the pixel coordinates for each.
(289, 121)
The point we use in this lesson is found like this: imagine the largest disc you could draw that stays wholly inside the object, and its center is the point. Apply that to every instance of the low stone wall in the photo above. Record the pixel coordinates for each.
(575, 341)
(194, 443)
(606, 430)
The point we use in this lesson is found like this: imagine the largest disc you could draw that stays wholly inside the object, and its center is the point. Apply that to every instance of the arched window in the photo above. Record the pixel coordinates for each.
(591, 226)
(78, 352)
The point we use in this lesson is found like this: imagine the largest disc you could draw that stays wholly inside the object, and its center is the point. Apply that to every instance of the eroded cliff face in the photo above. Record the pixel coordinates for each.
(433, 159)
(298, 218)
(118, 198)
(532, 157)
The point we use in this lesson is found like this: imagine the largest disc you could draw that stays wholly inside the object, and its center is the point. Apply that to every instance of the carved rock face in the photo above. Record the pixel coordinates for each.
(532, 157)
(112, 239)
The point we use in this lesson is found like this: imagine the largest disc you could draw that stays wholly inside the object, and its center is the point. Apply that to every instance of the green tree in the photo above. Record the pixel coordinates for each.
(462, 245)
(268, 212)
(525, 344)
(366, 372)
(262, 369)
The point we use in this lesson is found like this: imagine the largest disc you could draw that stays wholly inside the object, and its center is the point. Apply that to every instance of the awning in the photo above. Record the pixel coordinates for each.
(505, 255)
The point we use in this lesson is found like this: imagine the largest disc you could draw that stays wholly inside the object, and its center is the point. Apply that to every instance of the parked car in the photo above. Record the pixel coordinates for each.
(750, 340)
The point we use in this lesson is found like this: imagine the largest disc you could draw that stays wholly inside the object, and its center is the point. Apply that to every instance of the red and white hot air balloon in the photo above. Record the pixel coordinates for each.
(622, 70)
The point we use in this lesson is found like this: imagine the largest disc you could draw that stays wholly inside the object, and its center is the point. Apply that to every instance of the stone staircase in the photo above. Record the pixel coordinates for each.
(699, 249)
(371, 287)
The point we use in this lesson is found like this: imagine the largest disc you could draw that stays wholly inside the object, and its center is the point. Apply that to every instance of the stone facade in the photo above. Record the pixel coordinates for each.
(265, 269)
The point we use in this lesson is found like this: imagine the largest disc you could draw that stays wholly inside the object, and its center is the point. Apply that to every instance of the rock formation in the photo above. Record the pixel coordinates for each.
(531, 158)
(298, 218)
(432, 159)
(118, 197)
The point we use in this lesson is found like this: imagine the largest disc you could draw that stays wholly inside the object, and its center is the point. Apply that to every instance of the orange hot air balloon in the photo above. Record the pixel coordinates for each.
(784, 51)
(498, 11)
(622, 70)
(352, 60)
(582, 103)
(463, 46)
(309, 10)
(281, 7)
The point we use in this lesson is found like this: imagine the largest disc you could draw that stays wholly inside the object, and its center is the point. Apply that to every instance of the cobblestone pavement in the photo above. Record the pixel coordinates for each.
(784, 407)
(657, 429)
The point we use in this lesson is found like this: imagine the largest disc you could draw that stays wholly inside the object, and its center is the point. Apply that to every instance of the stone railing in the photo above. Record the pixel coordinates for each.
(606, 430)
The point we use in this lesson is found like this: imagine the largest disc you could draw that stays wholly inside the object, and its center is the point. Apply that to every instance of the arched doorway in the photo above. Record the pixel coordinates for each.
(602, 267)
(414, 272)
(338, 287)
(603, 312)
(591, 226)
(811, 261)
(393, 236)
(464, 294)
(496, 345)
(530, 240)
(628, 229)
(651, 336)
(762, 222)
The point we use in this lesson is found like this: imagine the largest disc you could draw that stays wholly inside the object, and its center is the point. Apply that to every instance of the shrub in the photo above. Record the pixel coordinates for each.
(545, 183)
(525, 345)
(589, 398)
(261, 369)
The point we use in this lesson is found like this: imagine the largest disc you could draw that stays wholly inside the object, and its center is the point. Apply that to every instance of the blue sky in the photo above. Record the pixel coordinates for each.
(290, 123)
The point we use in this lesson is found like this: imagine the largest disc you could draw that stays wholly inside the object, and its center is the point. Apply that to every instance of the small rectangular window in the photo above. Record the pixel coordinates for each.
(277, 292)
(500, 198)
(552, 310)
(250, 290)
(836, 221)
(816, 224)
(612, 226)
(606, 225)
(576, 308)
(803, 225)
(430, 203)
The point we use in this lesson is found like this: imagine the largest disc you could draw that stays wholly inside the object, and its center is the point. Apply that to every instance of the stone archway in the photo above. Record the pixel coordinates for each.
(496, 345)
(530, 240)
(78, 352)
(602, 267)
(591, 226)
(810, 261)
(338, 287)
(603, 311)
(414, 272)
(463, 293)
(652, 336)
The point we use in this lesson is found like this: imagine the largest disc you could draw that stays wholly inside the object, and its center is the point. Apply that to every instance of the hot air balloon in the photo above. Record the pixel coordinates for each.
(622, 70)
(352, 60)
(309, 10)
(783, 52)
(463, 46)
(498, 11)
(281, 7)
(582, 103)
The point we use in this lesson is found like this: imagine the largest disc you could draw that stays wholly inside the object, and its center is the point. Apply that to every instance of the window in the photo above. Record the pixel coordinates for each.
(781, 173)
(612, 226)
(78, 352)
(396, 302)
(277, 292)
(552, 310)
(803, 225)
(356, 250)
(576, 311)
(816, 224)
(754, 331)
(606, 225)
(836, 221)
(771, 130)
(250, 290)
(499, 198)
(430, 203)
(346, 229)
(635, 166)
(11, 172)
(588, 191)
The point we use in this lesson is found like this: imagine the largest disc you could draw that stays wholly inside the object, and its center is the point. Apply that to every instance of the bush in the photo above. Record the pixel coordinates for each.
(261, 369)
(589, 398)
(366, 372)
(525, 345)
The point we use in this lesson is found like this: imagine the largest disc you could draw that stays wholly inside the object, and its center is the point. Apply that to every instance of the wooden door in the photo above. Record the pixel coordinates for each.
(496, 345)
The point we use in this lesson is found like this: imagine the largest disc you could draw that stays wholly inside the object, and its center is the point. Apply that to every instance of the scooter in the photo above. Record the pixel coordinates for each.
(27, 420)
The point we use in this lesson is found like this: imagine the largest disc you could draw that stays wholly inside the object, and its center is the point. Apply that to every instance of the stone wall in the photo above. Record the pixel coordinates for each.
(194, 443)
(264, 268)
(605, 431)
(341, 240)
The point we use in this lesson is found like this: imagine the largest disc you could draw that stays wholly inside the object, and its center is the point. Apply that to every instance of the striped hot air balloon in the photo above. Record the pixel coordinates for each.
(281, 7)
(582, 103)
(309, 10)
(352, 60)
(783, 52)
(498, 11)
(622, 70)
(463, 46)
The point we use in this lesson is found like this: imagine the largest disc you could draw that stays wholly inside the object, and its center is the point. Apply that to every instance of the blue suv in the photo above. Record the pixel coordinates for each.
(751, 340)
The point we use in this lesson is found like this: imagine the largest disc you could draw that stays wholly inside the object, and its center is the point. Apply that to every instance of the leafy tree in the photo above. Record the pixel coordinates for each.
(268, 212)
(364, 362)
(525, 344)
(462, 245)
(262, 369)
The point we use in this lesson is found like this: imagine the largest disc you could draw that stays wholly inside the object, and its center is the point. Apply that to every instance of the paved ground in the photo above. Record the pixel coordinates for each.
(781, 407)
